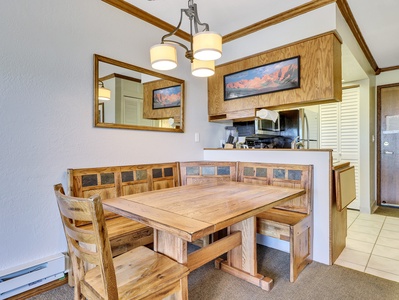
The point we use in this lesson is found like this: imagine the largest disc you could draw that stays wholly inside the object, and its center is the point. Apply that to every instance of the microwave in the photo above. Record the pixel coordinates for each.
(264, 126)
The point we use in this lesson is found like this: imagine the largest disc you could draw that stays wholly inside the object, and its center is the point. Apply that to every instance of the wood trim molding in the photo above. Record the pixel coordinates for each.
(389, 69)
(281, 17)
(335, 33)
(116, 75)
(284, 16)
(349, 18)
(146, 17)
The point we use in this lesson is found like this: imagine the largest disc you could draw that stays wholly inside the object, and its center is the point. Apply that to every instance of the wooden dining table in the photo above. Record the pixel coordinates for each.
(187, 213)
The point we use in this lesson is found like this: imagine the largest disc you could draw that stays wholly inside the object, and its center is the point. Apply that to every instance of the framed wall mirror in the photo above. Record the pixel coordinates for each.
(131, 97)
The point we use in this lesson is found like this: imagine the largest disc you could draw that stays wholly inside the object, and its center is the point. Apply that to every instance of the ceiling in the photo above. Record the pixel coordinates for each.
(374, 22)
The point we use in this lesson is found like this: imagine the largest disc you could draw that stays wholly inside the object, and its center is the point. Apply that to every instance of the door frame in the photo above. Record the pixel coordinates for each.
(379, 88)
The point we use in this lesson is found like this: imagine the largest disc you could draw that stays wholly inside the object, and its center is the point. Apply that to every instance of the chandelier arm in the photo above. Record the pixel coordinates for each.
(197, 20)
(177, 43)
(165, 58)
(177, 27)
(189, 52)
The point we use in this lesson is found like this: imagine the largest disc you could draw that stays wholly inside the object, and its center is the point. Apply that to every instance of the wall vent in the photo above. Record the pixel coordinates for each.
(19, 279)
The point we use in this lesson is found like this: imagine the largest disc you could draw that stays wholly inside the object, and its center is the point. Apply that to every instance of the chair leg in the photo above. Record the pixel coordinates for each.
(300, 247)
(181, 294)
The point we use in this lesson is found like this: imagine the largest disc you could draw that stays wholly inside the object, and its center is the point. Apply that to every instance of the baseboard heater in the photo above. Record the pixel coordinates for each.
(28, 276)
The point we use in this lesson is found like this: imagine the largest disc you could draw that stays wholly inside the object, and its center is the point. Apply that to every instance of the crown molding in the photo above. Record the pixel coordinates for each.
(284, 16)
(146, 17)
(281, 17)
(350, 20)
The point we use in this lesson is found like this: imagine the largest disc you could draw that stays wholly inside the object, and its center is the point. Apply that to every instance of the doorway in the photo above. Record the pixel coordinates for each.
(388, 145)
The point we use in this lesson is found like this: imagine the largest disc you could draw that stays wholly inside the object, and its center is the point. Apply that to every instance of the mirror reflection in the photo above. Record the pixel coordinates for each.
(130, 97)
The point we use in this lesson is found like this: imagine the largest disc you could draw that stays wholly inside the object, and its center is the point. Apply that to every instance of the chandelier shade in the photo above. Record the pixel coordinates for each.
(163, 57)
(207, 45)
(204, 48)
(203, 68)
(103, 93)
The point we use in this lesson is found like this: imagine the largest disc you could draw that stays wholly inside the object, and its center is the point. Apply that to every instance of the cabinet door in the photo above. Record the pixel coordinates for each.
(339, 131)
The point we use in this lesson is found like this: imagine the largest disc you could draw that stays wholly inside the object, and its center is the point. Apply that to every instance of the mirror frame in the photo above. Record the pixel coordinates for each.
(99, 58)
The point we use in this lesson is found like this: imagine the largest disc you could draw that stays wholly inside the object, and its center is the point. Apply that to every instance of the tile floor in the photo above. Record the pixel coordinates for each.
(372, 245)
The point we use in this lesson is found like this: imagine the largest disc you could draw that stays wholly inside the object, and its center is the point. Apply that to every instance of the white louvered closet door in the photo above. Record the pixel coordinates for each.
(329, 128)
(339, 130)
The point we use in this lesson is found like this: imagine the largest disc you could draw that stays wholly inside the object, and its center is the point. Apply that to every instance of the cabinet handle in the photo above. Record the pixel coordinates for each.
(388, 152)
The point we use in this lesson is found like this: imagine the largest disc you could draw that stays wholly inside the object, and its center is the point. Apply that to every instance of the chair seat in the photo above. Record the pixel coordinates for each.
(290, 218)
(140, 273)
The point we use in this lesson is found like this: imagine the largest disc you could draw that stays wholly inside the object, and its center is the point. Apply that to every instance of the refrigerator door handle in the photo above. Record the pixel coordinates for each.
(307, 130)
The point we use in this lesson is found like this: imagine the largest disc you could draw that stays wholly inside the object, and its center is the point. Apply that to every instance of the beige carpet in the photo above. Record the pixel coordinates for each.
(317, 281)
(388, 211)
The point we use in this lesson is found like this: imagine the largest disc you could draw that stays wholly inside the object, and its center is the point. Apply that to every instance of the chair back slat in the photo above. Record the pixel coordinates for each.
(87, 246)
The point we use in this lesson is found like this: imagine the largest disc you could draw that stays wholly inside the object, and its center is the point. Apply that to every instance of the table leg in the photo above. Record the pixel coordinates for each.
(175, 248)
(242, 260)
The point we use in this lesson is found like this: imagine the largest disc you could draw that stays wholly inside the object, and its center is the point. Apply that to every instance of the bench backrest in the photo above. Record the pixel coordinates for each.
(142, 178)
(110, 182)
(285, 175)
(196, 172)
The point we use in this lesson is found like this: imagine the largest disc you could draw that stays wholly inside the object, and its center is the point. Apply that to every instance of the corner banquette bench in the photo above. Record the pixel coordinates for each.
(109, 182)
(291, 221)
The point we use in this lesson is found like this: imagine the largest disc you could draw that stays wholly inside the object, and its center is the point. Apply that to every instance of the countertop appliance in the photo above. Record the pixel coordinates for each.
(291, 130)
(294, 125)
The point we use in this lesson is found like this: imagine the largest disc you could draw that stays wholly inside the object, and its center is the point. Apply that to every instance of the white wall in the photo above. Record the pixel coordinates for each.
(46, 111)
(304, 26)
(367, 117)
(388, 77)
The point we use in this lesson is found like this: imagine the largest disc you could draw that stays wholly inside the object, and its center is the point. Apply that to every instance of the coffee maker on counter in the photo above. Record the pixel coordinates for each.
(231, 137)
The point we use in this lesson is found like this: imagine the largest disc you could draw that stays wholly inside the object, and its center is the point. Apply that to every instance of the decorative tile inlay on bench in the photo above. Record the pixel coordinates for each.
(110, 182)
(195, 172)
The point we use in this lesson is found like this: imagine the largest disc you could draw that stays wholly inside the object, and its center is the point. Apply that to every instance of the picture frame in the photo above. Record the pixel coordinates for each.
(269, 78)
(167, 97)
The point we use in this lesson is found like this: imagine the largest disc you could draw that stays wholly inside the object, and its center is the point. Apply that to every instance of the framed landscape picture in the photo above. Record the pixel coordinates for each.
(166, 97)
(274, 77)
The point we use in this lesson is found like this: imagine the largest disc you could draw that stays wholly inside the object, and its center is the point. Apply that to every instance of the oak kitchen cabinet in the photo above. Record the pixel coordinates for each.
(320, 79)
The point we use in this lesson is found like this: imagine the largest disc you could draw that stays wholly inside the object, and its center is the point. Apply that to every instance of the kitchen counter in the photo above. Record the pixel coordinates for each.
(268, 149)
(321, 159)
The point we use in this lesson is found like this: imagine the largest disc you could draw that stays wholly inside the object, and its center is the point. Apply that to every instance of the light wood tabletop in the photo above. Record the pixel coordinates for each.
(186, 213)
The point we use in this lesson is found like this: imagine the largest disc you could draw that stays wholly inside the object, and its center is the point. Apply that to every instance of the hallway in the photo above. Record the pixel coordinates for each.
(372, 245)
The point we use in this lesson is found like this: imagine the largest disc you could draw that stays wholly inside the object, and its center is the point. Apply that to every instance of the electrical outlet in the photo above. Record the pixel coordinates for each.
(196, 137)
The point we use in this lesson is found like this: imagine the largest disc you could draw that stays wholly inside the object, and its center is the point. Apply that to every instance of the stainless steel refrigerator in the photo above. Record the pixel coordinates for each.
(299, 130)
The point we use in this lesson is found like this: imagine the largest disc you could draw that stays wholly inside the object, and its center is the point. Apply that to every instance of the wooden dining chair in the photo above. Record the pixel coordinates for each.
(140, 273)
